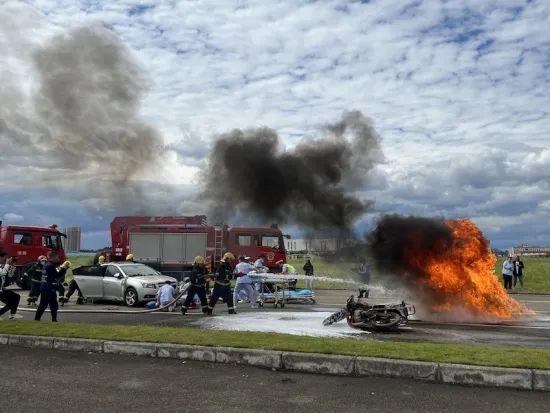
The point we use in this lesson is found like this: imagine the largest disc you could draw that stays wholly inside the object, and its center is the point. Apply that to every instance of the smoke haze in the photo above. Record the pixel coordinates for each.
(249, 172)
(82, 123)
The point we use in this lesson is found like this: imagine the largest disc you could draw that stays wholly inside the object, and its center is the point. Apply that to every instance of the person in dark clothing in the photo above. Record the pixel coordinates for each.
(35, 273)
(198, 286)
(73, 286)
(48, 287)
(518, 271)
(222, 286)
(308, 270)
(8, 297)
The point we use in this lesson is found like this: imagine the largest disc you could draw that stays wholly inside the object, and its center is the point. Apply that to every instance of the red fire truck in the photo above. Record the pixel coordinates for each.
(171, 243)
(27, 243)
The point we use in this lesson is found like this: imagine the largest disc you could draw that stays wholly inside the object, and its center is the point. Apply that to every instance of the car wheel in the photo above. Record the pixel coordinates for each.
(130, 297)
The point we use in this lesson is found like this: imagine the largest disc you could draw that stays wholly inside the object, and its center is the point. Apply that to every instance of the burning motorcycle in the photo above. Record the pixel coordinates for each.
(379, 317)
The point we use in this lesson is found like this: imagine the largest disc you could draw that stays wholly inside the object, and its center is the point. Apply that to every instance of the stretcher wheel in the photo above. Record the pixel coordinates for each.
(275, 305)
(282, 305)
(261, 304)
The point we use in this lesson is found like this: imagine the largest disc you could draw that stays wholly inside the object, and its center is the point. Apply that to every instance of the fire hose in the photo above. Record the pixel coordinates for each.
(182, 291)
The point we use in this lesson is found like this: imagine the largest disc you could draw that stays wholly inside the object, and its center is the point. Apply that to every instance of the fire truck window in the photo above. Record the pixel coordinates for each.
(270, 241)
(50, 241)
(22, 239)
(244, 240)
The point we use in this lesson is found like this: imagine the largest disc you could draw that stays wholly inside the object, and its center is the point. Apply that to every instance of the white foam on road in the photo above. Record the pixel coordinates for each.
(301, 324)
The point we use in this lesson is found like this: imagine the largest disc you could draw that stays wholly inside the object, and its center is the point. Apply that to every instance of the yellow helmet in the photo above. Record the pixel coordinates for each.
(66, 265)
(101, 259)
(198, 260)
(130, 257)
(228, 257)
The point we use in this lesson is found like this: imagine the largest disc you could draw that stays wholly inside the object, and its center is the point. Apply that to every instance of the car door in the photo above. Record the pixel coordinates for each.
(113, 281)
(90, 280)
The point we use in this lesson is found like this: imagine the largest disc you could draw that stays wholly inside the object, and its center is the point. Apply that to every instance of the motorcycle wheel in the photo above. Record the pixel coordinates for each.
(335, 317)
(387, 323)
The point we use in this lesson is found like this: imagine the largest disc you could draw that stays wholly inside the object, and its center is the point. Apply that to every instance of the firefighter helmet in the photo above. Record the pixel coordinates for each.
(228, 257)
(130, 257)
(42, 258)
(66, 265)
(101, 259)
(198, 260)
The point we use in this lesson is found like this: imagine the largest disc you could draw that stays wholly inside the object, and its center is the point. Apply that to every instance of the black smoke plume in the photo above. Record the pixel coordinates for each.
(395, 236)
(391, 245)
(250, 173)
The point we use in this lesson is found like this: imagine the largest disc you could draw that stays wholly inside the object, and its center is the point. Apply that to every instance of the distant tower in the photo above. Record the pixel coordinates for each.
(72, 242)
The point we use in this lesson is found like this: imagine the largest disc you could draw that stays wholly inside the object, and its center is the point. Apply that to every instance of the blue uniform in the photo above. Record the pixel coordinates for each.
(48, 291)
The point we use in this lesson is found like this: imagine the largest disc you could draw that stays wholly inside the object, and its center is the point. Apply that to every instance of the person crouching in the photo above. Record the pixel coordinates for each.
(222, 286)
(165, 296)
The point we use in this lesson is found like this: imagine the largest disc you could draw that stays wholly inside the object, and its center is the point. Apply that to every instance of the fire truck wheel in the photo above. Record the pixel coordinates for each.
(130, 297)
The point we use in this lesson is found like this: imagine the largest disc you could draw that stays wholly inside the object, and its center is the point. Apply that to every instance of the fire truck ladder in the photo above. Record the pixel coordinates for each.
(218, 243)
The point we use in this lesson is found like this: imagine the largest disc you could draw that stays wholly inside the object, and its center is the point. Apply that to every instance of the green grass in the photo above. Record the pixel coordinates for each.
(77, 261)
(326, 268)
(536, 274)
(448, 353)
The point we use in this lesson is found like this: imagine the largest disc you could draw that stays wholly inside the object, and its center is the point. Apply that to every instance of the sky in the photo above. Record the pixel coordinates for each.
(456, 90)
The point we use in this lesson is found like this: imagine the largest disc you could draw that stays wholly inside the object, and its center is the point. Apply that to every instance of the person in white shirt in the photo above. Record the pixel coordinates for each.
(259, 264)
(8, 297)
(165, 295)
(244, 283)
(508, 272)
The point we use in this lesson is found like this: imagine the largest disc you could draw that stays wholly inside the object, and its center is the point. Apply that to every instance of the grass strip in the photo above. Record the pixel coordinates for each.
(473, 354)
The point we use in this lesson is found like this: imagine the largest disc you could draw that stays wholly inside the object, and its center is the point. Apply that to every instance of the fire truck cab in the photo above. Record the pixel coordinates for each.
(26, 244)
(170, 244)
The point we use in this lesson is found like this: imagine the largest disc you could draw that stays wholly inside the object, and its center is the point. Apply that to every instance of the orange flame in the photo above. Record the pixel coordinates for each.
(461, 274)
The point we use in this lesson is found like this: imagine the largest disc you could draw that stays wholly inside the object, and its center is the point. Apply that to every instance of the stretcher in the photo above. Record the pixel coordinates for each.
(274, 288)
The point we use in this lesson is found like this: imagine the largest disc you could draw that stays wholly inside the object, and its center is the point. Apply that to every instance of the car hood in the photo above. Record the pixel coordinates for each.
(154, 279)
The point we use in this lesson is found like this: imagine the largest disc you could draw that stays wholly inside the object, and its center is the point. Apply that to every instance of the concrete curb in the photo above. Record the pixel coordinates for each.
(525, 379)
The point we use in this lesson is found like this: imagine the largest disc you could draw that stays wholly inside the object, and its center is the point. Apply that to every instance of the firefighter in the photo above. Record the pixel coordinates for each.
(62, 271)
(198, 286)
(222, 286)
(130, 258)
(48, 287)
(35, 273)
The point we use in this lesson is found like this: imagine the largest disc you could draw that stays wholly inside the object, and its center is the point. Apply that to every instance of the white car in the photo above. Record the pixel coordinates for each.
(129, 282)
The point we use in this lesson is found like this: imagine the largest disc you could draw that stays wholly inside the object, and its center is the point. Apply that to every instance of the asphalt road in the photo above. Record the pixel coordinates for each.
(55, 381)
(534, 332)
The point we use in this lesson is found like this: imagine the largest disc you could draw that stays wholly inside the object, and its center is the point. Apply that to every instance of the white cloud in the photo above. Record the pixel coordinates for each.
(456, 89)
(12, 217)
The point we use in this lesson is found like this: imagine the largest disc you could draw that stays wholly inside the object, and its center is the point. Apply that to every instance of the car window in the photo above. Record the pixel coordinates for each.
(111, 271)
(22, 239)
(135, 270)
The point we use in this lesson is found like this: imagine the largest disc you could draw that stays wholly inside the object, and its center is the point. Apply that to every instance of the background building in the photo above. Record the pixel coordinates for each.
(316, 245)
(527, 250)
(71, 244)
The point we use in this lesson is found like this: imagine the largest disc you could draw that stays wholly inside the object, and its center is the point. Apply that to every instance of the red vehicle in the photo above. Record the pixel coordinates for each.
(27, 243)
(171, 243)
